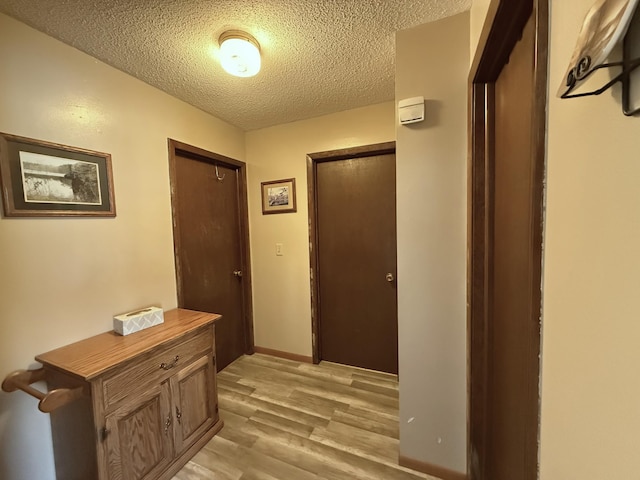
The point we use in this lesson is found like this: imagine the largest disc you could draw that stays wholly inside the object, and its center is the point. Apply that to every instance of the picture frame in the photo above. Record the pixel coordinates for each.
(279, 196)
(44, 179)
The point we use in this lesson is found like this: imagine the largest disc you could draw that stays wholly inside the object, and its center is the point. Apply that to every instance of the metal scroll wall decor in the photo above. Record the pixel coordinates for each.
(607, 23)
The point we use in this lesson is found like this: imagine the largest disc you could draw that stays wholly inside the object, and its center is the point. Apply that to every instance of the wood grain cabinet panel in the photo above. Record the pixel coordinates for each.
(193, 393)
(151, 400)
(138, 436)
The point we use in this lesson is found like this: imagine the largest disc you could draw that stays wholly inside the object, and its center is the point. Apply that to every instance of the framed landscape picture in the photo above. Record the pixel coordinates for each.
(279, 196)
(43, 179)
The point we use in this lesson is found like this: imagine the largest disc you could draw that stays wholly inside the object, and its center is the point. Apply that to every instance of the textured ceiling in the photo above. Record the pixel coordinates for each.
(318, 57)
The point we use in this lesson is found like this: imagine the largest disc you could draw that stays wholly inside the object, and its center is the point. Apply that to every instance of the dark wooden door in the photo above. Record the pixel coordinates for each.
(356, 223)
(514, 308)
(209, 248)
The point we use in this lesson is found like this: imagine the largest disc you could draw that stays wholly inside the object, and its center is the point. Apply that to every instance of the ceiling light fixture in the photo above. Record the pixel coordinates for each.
(239, 53)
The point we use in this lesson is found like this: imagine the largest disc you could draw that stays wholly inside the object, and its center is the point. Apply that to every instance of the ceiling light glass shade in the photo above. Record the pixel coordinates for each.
(239, 53)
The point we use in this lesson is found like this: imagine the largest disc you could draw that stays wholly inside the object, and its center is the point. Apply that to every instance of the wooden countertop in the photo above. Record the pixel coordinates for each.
(90, 357)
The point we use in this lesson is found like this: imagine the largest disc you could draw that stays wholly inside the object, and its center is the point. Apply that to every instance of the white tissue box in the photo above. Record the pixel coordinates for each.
(133, 322)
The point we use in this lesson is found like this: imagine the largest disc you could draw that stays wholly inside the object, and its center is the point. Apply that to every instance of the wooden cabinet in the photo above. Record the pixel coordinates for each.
(150, 400)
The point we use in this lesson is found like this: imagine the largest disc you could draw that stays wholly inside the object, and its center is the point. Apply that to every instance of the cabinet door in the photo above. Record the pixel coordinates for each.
(193, 391)
(139, 442)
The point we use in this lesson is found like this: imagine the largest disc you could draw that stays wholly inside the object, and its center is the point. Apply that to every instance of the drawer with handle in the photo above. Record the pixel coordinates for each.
(158, 365)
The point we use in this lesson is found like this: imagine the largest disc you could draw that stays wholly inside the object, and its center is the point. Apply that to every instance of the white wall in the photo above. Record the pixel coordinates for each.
(62, 280)
(591, 329)
(433, 60)
(282, 308)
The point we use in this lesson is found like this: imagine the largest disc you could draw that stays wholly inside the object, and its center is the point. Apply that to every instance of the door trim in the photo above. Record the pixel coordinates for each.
(178, 148)
(502, 30)
(313, 159)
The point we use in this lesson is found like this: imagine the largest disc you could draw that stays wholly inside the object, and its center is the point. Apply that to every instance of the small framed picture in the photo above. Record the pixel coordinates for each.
(43, 179)
(279, 196)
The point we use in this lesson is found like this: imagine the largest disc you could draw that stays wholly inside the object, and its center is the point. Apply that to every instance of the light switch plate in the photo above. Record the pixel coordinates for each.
(279, 250)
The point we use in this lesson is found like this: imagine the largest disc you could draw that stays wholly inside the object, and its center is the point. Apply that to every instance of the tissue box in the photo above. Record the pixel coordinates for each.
(139, 320)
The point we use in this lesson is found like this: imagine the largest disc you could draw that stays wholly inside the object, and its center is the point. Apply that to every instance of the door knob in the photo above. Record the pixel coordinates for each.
(389, 277)
(237, 273)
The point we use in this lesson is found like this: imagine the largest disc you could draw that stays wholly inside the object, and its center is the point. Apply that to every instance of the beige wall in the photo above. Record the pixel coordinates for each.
(281, 289)
(591, 332)
(478, 14)
(433, 60)
(63, 279)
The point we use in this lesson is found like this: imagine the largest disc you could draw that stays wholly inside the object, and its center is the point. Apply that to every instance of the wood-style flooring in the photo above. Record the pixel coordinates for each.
(286, 420)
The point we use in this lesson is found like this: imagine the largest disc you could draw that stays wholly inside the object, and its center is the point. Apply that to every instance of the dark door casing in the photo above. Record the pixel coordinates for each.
(513, 356)
(508, 98)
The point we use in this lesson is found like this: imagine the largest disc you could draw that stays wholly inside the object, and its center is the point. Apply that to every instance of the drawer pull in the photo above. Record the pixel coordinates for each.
(167, 424)
(178, 415)
(169, 366)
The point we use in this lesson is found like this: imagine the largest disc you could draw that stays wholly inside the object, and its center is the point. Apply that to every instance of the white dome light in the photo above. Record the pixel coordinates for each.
(239, 53)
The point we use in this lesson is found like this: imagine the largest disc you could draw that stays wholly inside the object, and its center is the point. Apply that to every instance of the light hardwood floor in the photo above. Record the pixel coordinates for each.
(286, 420)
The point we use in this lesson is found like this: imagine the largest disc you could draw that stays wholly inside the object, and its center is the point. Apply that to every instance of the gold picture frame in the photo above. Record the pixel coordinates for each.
(279, 196)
